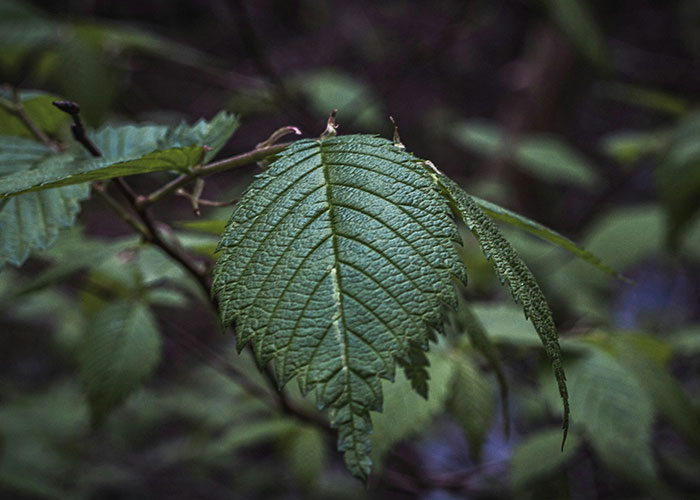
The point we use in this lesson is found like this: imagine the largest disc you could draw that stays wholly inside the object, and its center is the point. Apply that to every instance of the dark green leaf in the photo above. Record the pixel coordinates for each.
(335, 262)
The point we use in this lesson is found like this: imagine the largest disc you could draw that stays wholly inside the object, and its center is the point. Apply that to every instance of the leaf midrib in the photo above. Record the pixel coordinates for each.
(338, 287)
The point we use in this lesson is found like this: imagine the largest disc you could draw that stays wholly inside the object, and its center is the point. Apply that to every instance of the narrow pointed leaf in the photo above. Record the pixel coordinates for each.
(335, 262)
(512, 272)
(543, 232)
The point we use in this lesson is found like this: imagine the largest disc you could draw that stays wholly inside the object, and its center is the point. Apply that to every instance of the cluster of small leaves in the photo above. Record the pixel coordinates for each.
(41, 190)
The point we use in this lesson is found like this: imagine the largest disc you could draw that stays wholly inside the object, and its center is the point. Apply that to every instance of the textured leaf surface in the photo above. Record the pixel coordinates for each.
(32, 221)
(128, 150)
(336, 261)
(512, 271)
(119, 351)
(541, 231)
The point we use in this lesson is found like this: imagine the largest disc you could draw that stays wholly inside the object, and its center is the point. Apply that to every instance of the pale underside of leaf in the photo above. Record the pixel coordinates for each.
(127, 150)
(513, 272)
(32, 221)
(336, 263)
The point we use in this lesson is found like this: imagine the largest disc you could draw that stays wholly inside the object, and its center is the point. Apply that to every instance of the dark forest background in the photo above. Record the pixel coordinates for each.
(582, 115)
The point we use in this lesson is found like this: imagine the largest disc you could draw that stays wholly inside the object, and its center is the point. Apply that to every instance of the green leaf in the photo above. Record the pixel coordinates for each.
(678, 177)
(21, 26)
(127, 150)
(616, 413)
(576, 20)
(335, 262)
(471, 404)
(121, 349)
(306, 456)
(328, 89)
(406, 413)
(545, 157)
(513, 272)
(479, 136)
(552, 160)
(32, 221)
(516, 220)
(665, 391)
(480, 340)
(38, 107)
(538, 457)
(627, 147)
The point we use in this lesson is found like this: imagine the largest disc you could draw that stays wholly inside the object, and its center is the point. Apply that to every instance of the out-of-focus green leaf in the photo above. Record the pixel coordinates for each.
(628, 147)
(306, 456)
(32, 221)
(115, 39)
(638, 229)
(543, 232)
(127, 150)
(545, 157)
(648, 98)
(327, 89)
(404, 411)
(616, 413)
(167, 297)
(249, 434)
(215, 227)
(539, 456)
(120, 349)
(479, 136)
(576, 20)
(37, 106)
(669, 397)
(40, 430)
(471, 404)
(22, 26)
(552, 160)
(678, 177)
(481, 342)
(686, 341)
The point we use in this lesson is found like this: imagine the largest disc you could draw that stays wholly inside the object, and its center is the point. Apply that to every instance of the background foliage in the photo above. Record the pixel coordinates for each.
(580, 115)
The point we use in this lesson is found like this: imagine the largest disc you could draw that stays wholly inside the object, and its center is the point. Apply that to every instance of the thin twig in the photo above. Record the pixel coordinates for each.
(118, 209)
(212, 168)
(77, 128)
